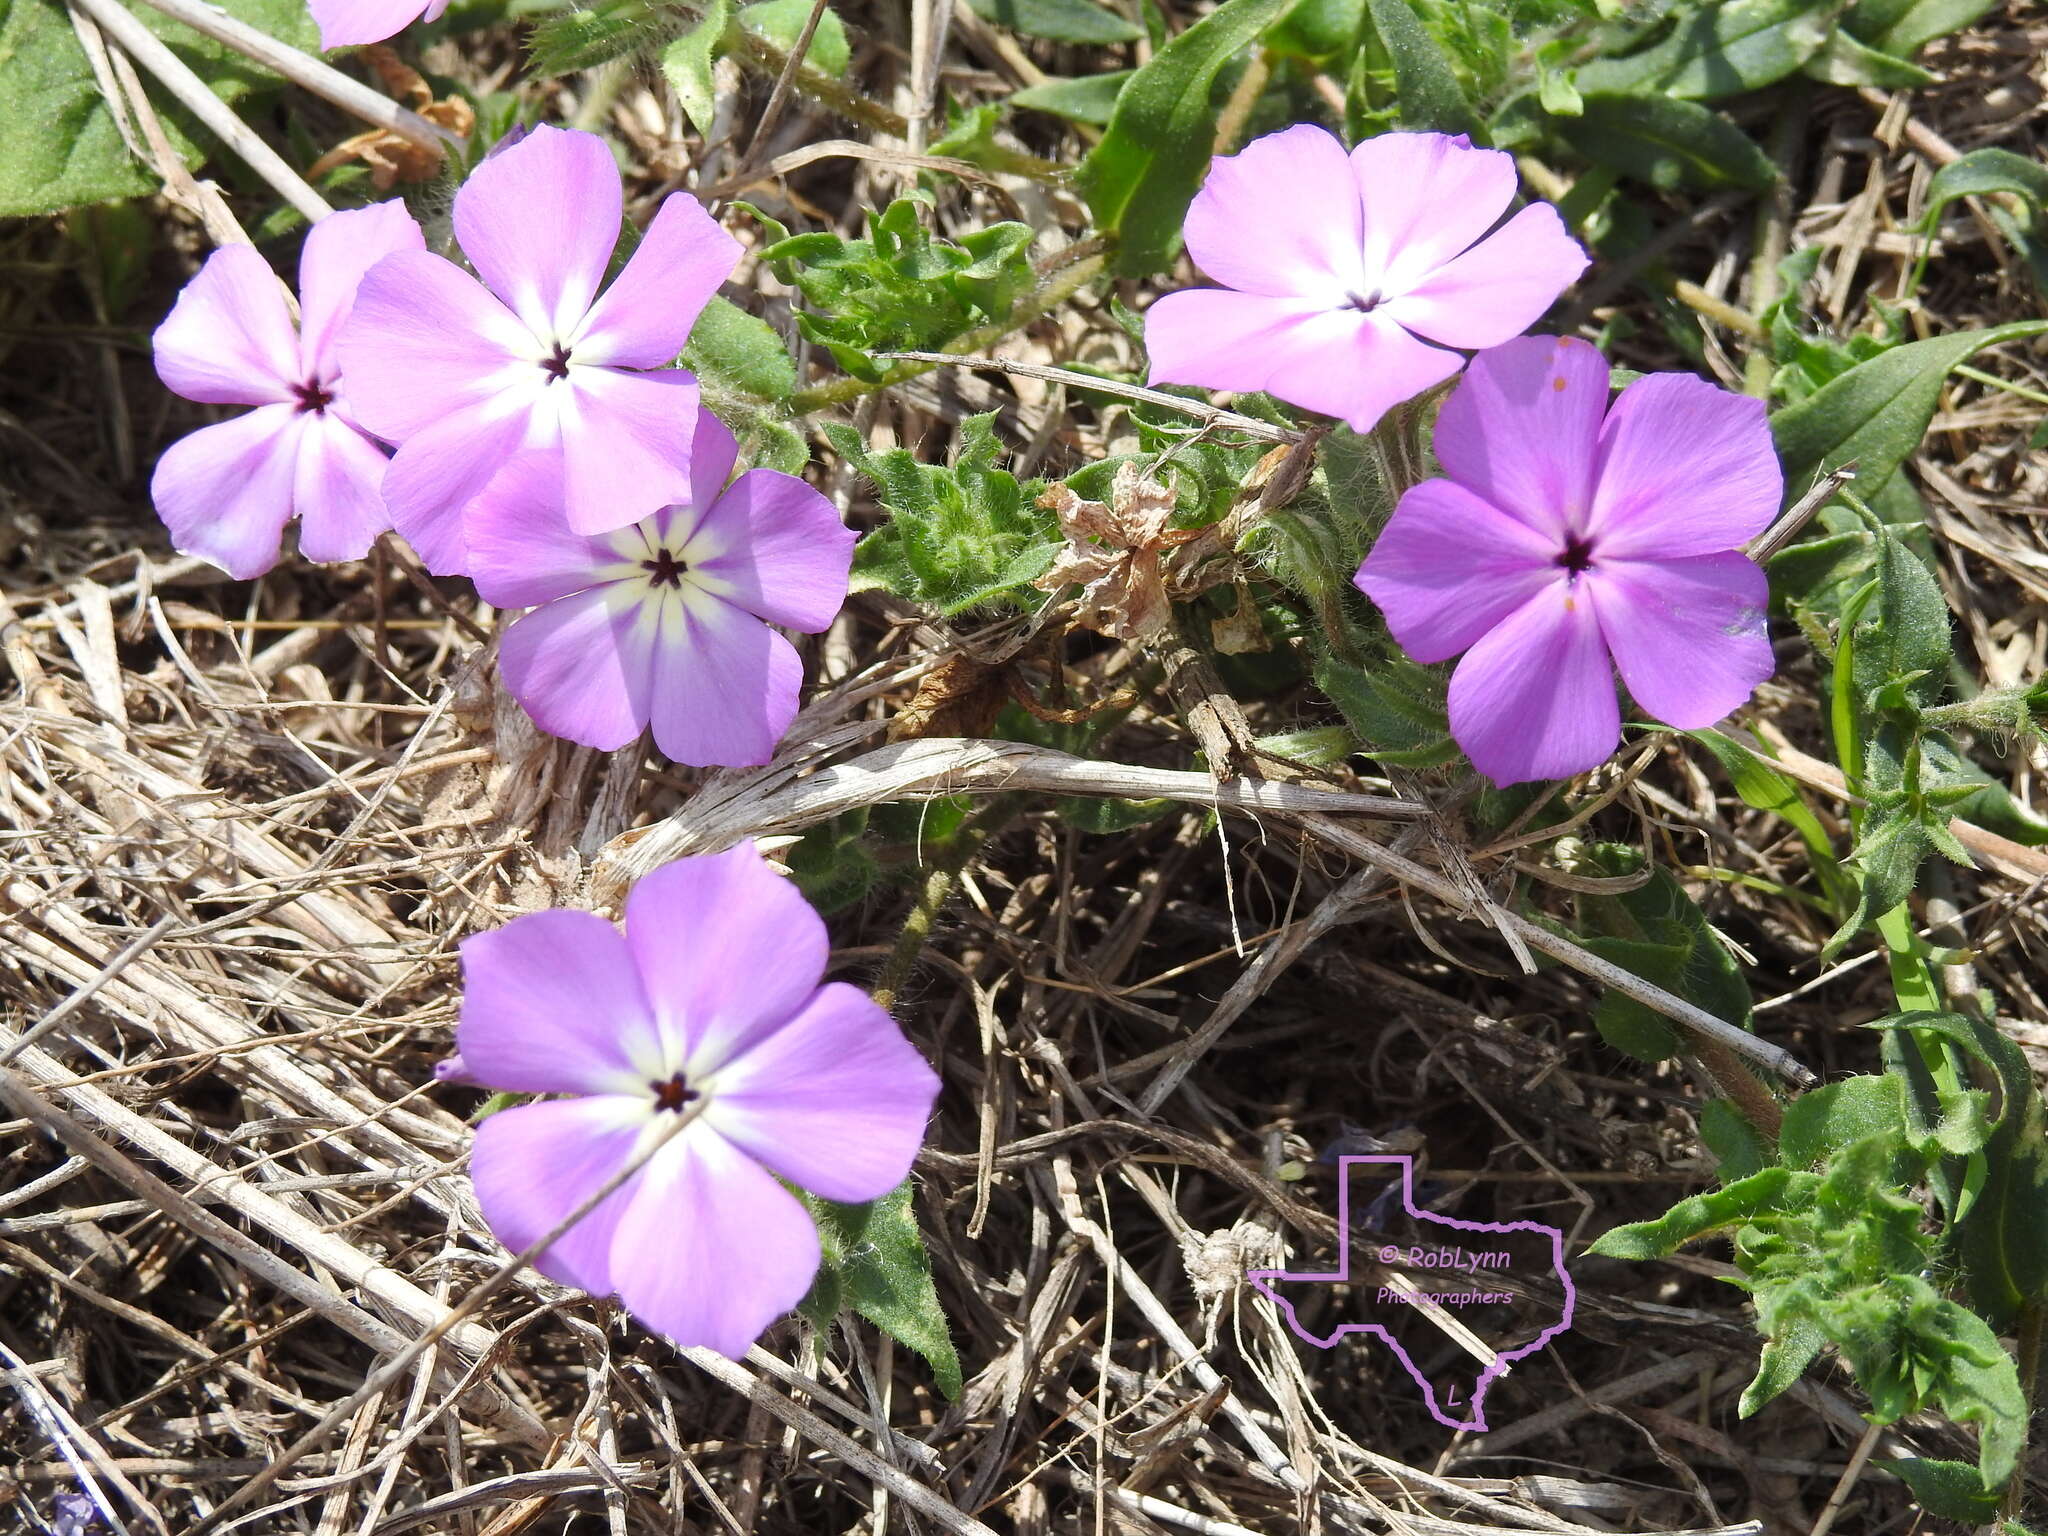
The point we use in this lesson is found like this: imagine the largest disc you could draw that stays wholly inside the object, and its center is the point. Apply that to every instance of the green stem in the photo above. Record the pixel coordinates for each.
(936, 890)
(1055, 291)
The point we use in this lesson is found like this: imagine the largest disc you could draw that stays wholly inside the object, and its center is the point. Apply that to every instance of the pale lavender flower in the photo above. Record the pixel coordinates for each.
(1339, 271)
(350, 23)
(227, 491)
(710, 1004)
(534, 363)
(665, 623)
(1570, 540)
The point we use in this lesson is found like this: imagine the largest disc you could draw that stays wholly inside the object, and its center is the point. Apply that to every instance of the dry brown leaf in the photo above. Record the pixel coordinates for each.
(1113, 553)
(391, 157)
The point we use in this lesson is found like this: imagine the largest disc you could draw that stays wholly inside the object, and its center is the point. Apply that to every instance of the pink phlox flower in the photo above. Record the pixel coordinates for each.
(351, 23)
(1570, 540)
(666, 622)
(712, 1003)
(1339, 271)
(533, 363)
(226, 491)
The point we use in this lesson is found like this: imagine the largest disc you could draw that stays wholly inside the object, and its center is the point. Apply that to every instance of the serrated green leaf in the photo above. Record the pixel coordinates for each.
(879, 1258)
(1950, 1490)
(1059, 21)
(732, 351)
(1088, 99)
(1140, 179)
(1668, 143)
(1785, 1357)
(1824, 1120)
(1720, 50)
(1878, 411)
(782, 23)
(687, 65)
(1427, 85)
(1697, 1215)
(59, 146)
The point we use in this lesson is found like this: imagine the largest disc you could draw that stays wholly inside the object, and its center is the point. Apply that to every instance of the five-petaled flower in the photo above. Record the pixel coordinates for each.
(1339, 271)
(665, 622)
(710, 1006)
(226, 491)
(533, 363)
(1570, 540)
(351, 23)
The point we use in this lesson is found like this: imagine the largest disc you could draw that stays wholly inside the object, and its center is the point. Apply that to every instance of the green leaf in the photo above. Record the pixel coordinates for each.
(1821, 1122)
(878, 1257)
(1903, 27)
(1949, 1490)
(732, 351)
(1720, 50)
(1396, 708)
(1088, 99)
(1763, 788)
(782, 23)
(1738, 1146)
(1668, 143)
(1845, 61)
(1984, 171)
(1140, 179)
(1697, 1215)
(1877, 412)
(686, 64)
(1319, 30)
(958, 538)
(587, 37)
(1430, 96)
(1059, 21)
(59, 146)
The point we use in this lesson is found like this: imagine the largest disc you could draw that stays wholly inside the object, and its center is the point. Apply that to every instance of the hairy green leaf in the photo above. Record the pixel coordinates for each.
(1950, 1490)
(1720, 50)
(1824, 1120)
(732, 351)
(878, 1262)
(1666, 142)
(1697, 1215)
(1430, 96)
(686, 64)
(1140, 179)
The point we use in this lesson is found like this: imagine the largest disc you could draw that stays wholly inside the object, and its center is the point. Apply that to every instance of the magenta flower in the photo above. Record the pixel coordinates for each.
(226, 491)
(533, 362)
(350, 23)
(1570, 540)
(711, 1005)
(666, 622)
(1339, 271)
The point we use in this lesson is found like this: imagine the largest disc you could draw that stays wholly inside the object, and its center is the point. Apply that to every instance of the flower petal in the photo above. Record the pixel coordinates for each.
(1534, 698)
(1686, 468)
(776, 547)
(1522, 430)
(1280, 218)
(1500, 287)
(625, 444)
(339, 250)
(336, 489)
(535, 1163)
(1339, 361)
(352, 23)
(225, 492)
(425, 340)
(713, 452)
(1449, 566)
(583, 666)
(712, 1250)
(228, 340)
(538, 222)
(644, 318)
(1688, 635)
(1426, 197)
(728, 950)
(835, 1101)
(437, 473)
(552, 1003)
(725, 684)
(521, 550)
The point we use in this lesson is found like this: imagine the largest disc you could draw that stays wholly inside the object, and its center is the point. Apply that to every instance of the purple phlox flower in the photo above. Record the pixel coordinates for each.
(533, 363)
(454, 1071)
(226, 491)
(710, 1003)
(1570, 540)
(1339, 270)
(350, 23)
(666, 622)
